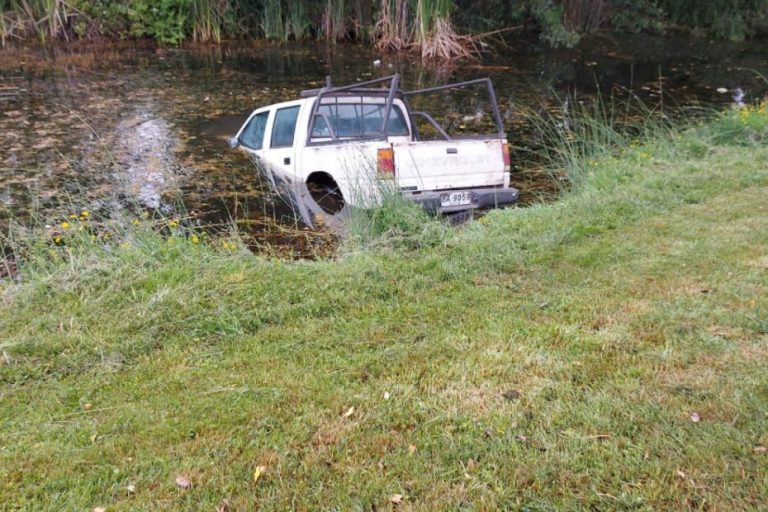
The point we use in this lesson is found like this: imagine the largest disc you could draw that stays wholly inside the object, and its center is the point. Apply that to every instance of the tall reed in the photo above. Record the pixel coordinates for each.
(208, 19)
(297, 23)
(272, 20)
(392, 30)
(333, 24)
(41, 18)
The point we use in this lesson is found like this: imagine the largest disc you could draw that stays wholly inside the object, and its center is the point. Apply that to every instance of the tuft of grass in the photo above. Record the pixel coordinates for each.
(297, 23)
(576, 137)
(393, 223)
(272, 20)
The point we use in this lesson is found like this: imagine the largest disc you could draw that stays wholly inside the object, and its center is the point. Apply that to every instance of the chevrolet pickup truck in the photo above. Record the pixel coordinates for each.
(341, 147)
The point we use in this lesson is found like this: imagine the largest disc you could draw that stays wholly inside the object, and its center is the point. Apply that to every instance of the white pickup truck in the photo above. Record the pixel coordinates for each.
(333, 149)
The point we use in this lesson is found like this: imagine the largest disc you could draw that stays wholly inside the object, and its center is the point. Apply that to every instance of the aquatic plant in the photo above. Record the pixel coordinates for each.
(272, 20)
(298, 26)
(392, 31)
(424, 27)
(333, 24)
(209, 19)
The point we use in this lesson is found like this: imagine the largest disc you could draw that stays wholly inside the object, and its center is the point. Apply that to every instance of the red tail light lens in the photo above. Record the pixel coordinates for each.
(385, 163)
(505, 154)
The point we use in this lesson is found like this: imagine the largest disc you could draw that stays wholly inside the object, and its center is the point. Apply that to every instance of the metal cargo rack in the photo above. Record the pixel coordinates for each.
(390, 92)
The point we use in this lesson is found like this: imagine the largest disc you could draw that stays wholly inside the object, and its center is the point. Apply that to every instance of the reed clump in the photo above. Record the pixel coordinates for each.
(423, 27)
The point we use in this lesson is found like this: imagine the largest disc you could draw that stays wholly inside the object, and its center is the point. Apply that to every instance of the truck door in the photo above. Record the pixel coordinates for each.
(280, 155)
(251, 137)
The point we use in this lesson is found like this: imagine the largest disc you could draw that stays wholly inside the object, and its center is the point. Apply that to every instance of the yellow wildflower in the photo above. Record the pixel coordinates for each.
(85, 214)
(65, 225)
(173, 223)
(72, 216)
(135, 222)
(194, 239)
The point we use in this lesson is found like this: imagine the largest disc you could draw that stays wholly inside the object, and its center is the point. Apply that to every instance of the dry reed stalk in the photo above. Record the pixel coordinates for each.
(392, 32)
(444, 44)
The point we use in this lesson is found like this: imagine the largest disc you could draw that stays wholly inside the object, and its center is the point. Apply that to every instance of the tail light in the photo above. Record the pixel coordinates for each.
(385, 161)
(505, 155)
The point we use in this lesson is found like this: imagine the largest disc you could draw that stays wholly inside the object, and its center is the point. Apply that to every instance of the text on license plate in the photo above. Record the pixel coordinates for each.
(455, 198)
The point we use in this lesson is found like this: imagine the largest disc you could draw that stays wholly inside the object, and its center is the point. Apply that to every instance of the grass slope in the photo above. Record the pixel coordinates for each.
(548, 358)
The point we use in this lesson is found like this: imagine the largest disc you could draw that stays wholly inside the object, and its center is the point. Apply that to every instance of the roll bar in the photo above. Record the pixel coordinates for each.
(391, 91)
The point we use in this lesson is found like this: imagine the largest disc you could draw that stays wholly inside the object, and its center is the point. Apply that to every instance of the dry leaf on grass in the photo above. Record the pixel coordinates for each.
(223, 506)
(349, 412)
(99, 509)
(396, 499)
(259, 471)
(183, 482)
(695, 417)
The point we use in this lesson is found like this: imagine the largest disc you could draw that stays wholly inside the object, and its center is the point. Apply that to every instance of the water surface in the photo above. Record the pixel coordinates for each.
(132, 126)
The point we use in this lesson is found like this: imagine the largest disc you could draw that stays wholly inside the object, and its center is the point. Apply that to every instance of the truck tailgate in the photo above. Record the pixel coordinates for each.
(440, 165)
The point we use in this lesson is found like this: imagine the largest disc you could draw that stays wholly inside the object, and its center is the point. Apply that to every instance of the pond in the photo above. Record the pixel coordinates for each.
(132, 126)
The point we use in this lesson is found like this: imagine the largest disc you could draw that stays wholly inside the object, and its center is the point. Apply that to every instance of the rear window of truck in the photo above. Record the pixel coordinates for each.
(349, 120)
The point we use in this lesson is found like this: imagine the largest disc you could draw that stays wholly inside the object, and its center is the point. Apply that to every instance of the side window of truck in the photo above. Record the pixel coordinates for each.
(253, 134)
(284, 127)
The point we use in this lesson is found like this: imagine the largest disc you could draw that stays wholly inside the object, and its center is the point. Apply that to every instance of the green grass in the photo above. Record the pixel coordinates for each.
(547, 358)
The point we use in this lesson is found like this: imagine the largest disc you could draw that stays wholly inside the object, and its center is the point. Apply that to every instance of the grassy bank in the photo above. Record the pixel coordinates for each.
(608, 351)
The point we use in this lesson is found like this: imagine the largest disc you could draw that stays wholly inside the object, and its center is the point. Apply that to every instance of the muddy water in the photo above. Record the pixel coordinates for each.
(136, 127)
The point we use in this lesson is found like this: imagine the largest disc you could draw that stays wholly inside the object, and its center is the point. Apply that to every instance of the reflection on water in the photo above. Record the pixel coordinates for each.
(112, 126)
(147, 146)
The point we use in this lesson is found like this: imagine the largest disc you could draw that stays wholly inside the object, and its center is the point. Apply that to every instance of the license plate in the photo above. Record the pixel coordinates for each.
(455, 199)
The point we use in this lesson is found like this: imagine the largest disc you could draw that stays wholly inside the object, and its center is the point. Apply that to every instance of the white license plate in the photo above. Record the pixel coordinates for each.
(455, 198)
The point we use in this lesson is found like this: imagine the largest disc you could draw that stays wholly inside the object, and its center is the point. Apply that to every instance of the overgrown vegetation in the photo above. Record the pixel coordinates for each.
(609, 350)
(432, 27)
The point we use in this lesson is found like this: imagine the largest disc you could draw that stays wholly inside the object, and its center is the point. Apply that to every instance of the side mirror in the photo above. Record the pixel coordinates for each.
(233, 143)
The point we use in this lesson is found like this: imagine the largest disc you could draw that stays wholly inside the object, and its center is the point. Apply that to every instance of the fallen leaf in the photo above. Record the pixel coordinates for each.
(396, 499)
(411, 449)
(99, 509)
(259, 471)
(471, 465)
(88, 406)
(386, 395)
(680, 475)
(521, 438)
(349, 412)
(223, 506)
(695, 417)
(760, 449)
(183, 482)
(131, 489)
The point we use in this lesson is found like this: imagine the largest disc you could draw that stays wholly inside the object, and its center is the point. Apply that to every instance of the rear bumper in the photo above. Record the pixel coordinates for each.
(479, 198)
